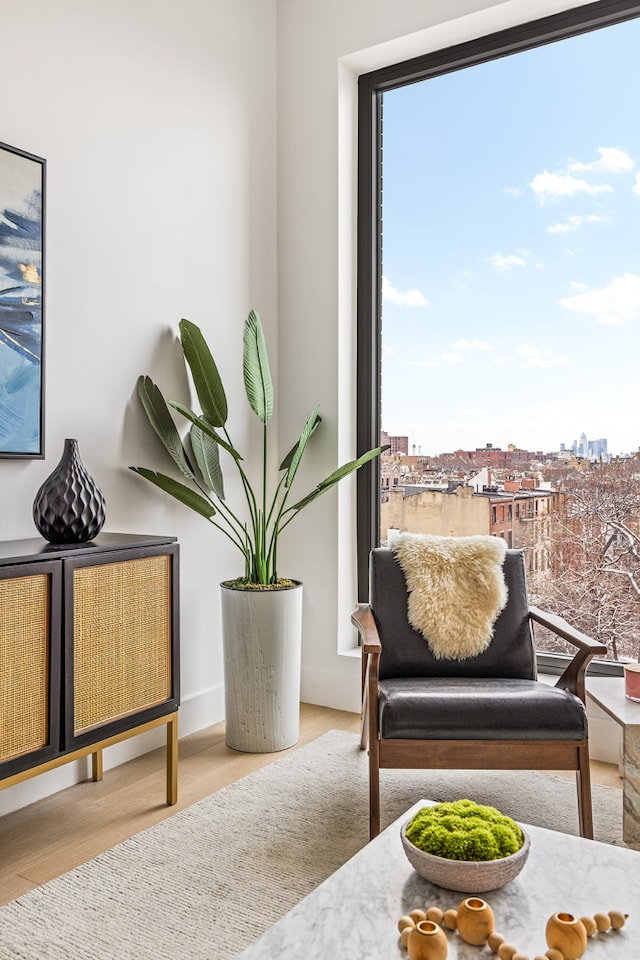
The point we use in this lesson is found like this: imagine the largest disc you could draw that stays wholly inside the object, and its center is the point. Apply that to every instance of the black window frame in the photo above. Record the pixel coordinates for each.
(371, 87)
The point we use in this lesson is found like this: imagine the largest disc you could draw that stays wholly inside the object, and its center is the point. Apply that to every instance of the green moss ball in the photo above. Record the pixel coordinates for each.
(464, 830)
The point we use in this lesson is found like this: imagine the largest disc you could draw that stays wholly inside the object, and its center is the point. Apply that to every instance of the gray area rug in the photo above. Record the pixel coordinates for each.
(210, 879)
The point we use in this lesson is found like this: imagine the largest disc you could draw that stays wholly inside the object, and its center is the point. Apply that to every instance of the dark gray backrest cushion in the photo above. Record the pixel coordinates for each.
(405, 652)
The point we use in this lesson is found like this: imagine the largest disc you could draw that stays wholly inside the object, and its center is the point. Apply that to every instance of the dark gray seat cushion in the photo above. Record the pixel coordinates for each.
(455, 708)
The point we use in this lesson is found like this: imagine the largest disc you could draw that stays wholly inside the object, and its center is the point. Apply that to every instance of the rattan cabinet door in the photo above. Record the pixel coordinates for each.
(30, 659)
(120, 646)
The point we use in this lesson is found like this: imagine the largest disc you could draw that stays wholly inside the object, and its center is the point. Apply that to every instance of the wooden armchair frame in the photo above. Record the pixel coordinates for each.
(475, 754)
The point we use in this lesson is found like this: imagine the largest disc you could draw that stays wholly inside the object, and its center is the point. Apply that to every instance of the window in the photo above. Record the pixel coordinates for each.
(580, 151)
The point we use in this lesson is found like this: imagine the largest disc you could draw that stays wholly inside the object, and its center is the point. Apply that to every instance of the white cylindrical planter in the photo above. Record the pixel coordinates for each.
(261, 633)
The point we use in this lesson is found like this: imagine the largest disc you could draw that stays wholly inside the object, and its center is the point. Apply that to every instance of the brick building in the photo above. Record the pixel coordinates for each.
(517, 515)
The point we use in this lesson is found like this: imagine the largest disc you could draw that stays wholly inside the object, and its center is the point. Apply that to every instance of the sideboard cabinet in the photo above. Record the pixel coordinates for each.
(89, 650)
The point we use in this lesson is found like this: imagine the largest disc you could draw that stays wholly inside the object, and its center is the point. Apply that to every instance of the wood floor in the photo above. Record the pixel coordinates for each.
(54, 835)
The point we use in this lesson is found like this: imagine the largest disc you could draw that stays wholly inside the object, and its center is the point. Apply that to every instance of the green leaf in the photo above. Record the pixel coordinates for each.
(337, 476)
(309, 427)
(174, 488)
(160, 419)
(255, 368)
(207, 454)
(286, 463)
(205, 426)
(204, 371)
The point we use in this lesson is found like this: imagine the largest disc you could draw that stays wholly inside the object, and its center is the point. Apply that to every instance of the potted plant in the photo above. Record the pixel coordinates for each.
(262, 612)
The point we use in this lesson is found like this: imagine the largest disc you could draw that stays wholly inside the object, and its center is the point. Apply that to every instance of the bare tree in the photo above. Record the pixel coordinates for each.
(593, 574)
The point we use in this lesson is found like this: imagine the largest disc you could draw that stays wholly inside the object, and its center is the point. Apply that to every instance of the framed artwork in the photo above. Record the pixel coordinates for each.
(22, 194)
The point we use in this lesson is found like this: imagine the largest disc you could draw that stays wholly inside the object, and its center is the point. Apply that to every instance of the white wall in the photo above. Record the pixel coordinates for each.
(322, 47)
(157, 123)
(199, 165)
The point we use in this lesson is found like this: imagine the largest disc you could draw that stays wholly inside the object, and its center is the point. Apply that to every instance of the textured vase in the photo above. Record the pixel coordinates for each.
(475, 921)
(427, 941)
(69, 506)
(567, 934)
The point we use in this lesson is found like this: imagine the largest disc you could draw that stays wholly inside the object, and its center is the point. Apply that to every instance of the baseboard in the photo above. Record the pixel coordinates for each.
(196, 712)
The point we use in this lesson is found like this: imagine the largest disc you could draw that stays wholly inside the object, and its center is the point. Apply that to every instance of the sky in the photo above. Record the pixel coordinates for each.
(511, 250)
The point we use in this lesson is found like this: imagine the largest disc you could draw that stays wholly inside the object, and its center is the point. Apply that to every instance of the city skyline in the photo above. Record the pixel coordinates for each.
(583, 446)
(511, 250)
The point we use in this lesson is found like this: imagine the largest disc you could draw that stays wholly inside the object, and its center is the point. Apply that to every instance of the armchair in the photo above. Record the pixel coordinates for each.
(485, 712)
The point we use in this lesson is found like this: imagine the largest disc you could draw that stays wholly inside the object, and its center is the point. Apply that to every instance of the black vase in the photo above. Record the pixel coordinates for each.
(69, 506)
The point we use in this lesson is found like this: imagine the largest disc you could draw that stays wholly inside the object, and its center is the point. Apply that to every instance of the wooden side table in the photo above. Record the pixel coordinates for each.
(608, 694)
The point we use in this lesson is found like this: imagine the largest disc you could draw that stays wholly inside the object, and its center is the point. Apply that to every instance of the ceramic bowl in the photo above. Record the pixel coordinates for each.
(470, 876)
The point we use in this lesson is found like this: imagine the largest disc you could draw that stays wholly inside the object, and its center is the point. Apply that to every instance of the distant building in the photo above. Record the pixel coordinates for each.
(459, 511)
(399, 445)
(583, 447)
(578, 463)
(588, 449)
(496, 458)
(598, 449)
(456, 512)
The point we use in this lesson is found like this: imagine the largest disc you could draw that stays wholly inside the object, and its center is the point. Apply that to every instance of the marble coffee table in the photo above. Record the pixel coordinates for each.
(353, 914)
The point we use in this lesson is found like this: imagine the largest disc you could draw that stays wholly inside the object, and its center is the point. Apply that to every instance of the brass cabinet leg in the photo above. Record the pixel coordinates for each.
(96, 766)
(172, 760)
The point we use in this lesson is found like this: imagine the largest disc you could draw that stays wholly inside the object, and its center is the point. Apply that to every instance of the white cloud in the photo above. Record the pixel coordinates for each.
(421, 362)
(552, 186)
(527, 356)
(636, 186)
(513, 191)
(615, 304)
(463, 278)
(574, 223)
(546, 361)
(472, 345)
(538, 358)
(612, 160)
(451, 358)
(568, 183)
(406, 298)
(503, 261)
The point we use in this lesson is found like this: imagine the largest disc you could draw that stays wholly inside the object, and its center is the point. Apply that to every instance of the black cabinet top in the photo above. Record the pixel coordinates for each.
(22, 551)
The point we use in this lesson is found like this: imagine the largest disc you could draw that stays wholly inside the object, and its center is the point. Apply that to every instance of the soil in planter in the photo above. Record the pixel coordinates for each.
(282, 583)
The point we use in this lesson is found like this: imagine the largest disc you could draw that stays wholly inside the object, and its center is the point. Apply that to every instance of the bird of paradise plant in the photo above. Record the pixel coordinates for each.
(256, 534)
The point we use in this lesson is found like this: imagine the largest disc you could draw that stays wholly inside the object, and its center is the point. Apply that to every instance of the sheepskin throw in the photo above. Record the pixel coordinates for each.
(456, 590)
